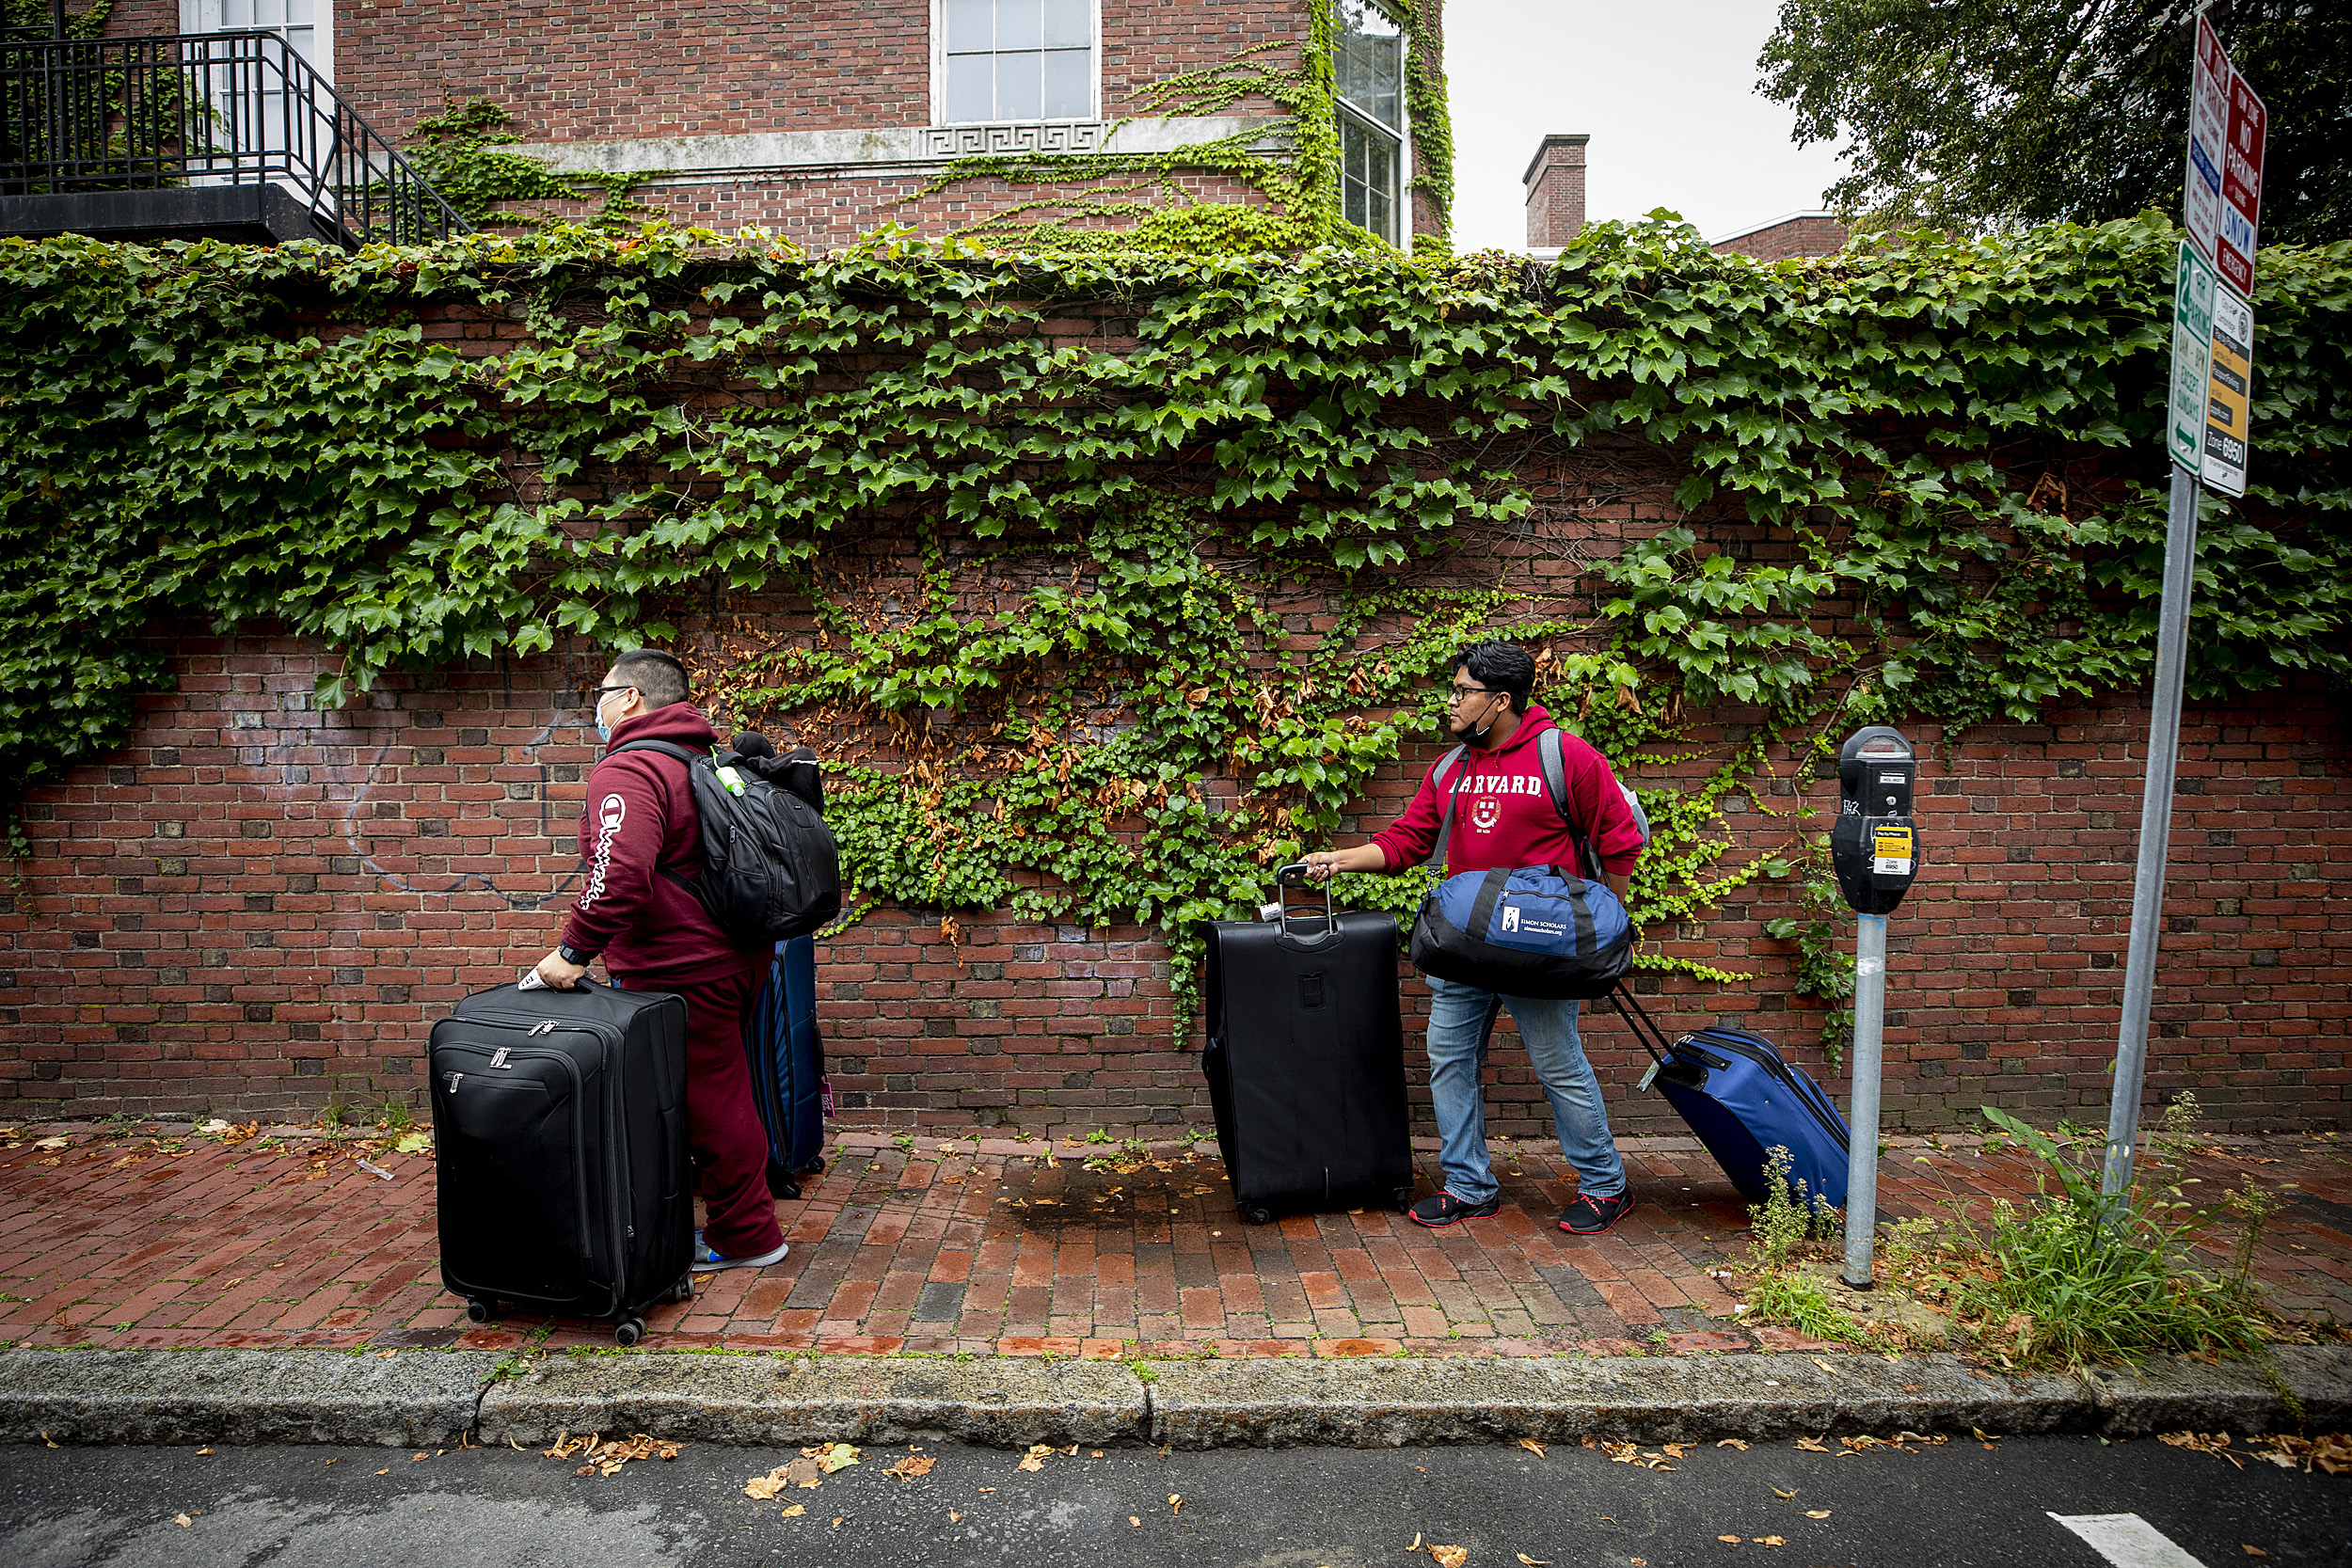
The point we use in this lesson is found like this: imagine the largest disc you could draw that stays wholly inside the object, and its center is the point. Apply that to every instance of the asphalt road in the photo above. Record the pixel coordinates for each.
(1960, 1504)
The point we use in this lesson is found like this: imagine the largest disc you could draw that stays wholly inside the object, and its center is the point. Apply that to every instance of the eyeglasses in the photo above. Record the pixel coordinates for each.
(595, 693)
(1463, 693)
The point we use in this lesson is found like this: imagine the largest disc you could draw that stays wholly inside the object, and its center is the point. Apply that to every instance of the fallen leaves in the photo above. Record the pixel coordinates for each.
(2252, 1550)
(1628, 1453)
(607, 1458)
(1175, 1502)
(1532, 1561)
(182, 1520)
(764, 1488)
(795, 1511)
(832, 1457)
(1035, 1459)
(1813, 1445)
(912, 1467)
(413, 1143)
(2201, 1442)
(53, 1143)
(1816, 1512)
(1728, 1540)
(1739, 1443)
(1449, 1556)
(2329, 1452)
(1532, 1446)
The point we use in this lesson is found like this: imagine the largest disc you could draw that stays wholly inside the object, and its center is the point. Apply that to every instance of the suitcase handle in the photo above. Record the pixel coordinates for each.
(1295, 876)
(1645, 1028)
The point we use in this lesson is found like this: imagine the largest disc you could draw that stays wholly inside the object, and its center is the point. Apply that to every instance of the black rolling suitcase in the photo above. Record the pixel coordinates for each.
(1306, 1061)
(559, 1130)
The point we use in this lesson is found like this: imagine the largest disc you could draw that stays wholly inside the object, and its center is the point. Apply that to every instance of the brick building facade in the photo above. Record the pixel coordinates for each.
(822, 122)
(254, 905)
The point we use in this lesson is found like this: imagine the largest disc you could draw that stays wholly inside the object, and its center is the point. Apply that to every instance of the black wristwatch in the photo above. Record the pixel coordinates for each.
(571, 955)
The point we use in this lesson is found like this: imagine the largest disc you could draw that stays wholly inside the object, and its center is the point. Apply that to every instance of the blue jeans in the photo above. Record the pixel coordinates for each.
(1461, 1020)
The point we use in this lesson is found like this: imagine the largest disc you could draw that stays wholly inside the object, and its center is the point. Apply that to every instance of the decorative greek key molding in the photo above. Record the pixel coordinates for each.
(966, 141)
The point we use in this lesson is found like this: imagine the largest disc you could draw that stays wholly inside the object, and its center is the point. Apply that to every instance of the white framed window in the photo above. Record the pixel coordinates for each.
(998, 61)
(307, 24)
(1370, 72)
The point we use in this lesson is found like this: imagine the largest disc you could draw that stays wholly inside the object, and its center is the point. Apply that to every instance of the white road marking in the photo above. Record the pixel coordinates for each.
(2127, 1540)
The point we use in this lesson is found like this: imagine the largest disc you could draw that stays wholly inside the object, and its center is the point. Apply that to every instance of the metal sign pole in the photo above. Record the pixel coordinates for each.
(2155, 830)
(1862, 1149)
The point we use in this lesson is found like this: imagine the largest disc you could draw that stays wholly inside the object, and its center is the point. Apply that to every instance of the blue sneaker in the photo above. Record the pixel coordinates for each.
(708, 1261)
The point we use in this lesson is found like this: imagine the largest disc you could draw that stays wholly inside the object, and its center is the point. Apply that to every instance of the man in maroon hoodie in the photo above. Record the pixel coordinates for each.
(1505, 815)
(642, 841)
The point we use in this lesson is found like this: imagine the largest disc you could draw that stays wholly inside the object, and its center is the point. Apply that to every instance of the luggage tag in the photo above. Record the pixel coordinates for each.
(1648, 1078)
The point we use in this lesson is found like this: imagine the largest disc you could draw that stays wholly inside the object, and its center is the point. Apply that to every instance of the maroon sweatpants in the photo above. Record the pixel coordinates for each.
(723, 1125)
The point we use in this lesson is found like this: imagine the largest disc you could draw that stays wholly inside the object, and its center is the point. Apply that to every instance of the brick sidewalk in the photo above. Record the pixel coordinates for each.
(135, 1237)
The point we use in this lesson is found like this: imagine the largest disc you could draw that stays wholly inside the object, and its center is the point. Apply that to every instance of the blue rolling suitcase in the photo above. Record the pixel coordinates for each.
(1743, 1101)
(788, 1061)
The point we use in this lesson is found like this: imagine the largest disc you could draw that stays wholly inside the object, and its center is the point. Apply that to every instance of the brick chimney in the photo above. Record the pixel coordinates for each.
(1555, 192)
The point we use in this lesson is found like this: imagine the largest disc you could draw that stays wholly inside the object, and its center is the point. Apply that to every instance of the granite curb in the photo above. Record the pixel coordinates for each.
(414, 1398)
(439, 1398)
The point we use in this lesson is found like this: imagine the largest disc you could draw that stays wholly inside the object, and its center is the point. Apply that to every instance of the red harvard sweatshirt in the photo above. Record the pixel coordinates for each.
(1504, 816)
(641, 810)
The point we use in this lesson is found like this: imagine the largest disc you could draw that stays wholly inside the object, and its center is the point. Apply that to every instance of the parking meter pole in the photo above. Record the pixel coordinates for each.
(2155, 831)
(1862, 1160)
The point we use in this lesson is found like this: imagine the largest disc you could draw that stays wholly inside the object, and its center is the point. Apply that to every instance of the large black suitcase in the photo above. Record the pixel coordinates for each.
(787, 1055)
(1306, 1061)
(559, 1129)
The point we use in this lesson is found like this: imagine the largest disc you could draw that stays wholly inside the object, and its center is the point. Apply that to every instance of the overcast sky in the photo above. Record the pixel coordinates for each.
(1664, 87)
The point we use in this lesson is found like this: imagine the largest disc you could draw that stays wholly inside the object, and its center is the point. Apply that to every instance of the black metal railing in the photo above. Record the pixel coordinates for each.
(206, 109)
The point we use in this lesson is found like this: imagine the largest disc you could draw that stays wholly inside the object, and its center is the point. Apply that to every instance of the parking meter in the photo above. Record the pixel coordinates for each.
(1875, 849)
(1874, 846)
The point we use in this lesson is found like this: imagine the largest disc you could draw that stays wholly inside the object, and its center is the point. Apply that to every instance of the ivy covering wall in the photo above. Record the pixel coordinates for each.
(1918, 480)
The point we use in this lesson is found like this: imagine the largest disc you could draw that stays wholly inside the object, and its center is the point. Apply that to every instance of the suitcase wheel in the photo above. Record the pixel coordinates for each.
(481, 1309)
(629, 1331)
(780, 1184)
(682, 1291)
(1402, 1198)
(1256, 1214)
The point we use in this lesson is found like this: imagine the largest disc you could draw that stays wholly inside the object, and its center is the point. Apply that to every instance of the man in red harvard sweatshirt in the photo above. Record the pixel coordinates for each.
(642, 841)
(1504, 817)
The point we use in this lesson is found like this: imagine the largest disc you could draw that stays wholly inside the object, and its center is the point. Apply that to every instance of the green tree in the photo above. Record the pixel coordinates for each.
(1972, 115)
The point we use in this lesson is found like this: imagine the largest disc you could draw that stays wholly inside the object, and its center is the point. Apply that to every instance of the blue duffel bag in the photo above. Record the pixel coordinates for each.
(1535, 930)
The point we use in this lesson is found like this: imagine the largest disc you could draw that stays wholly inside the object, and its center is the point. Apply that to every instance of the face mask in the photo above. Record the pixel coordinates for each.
(604, 731)
(1475, 737)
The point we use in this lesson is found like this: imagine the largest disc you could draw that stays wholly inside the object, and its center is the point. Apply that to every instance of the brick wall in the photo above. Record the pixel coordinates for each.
(1806, 234)
(254, 905)
(822, 211)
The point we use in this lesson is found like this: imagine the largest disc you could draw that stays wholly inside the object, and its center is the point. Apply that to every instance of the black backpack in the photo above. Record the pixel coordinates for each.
(770, 870)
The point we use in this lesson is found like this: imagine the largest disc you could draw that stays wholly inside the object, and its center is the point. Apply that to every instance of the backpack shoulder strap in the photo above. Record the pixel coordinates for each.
(1438, 776)
(668, 748)
(1551, 752)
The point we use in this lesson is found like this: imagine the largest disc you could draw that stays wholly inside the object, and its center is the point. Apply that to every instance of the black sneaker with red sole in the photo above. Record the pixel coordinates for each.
(1590, 1216)
(1444, 1209)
